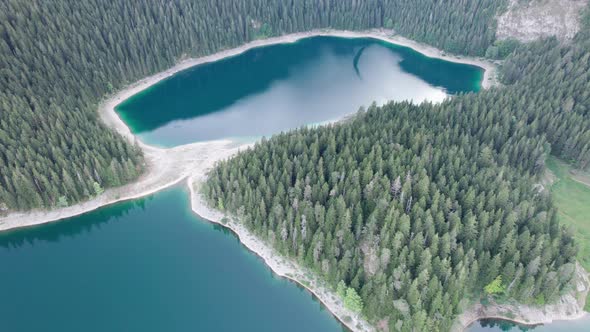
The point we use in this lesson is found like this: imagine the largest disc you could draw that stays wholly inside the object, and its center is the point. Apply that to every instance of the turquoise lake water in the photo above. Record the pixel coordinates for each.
(151, 264)
(280, 87)
(145, 265)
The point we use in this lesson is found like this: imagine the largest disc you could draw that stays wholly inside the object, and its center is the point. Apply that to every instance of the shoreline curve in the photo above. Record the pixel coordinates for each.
(166, 167)
(279, 265)
(156, 177)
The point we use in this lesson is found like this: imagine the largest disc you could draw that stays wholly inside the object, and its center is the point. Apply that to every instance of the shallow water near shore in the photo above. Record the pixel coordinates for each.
(145, 265)
(275, 88)
(497, 325)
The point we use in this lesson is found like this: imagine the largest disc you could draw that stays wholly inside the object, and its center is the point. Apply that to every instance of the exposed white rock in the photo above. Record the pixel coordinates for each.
(530, 20)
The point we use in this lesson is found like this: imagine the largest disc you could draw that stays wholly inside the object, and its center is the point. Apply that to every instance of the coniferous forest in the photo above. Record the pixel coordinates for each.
(59, 58)
(416, 208)
(405, 209)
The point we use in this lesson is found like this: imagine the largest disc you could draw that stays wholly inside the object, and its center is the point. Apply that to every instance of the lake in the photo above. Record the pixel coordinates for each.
(274, 88)
(151, 264)
(145, 265)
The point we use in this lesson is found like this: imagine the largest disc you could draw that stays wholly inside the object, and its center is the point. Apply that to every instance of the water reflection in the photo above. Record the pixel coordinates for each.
(157, 268)
(71, 227)
(497, 325)
(281, 87)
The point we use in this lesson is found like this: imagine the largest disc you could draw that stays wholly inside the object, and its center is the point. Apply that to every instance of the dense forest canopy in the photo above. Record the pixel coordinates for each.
(414, 208)
(59, 58)
(405, 210)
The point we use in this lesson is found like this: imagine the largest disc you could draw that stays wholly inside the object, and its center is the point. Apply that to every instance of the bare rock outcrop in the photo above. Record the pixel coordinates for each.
(534, 19)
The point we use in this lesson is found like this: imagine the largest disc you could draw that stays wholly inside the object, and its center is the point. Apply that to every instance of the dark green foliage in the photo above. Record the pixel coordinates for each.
(458, 26)
(502, 48)
(411, 205)
(550, 90)
(58, 58)
(417, 207)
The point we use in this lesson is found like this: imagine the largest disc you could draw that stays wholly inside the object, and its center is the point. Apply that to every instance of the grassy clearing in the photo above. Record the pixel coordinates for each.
(573, 203)
(572, 199)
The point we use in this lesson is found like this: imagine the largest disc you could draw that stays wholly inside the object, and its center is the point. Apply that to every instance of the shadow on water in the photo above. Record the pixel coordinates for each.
(70, 227)
(269, 80)
(497, 325)
(146, 265)
(355, 62)
(228, 232)
(215, 85)
(505, 325)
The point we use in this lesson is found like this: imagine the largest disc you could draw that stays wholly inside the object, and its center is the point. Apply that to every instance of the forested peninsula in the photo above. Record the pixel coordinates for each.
(410, 213)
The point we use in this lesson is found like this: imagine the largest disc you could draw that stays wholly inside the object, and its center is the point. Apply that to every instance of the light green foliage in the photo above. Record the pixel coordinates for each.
(389, 23)
(341, 289)
(572, 200)
(62, 202)
(540, 300)
(98, 190)
(353, 301)
(264, 31)
(495, 287)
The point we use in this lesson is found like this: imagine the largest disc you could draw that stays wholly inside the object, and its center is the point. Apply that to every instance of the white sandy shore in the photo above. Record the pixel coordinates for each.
(281, 266)
(165, 167)
(488, 81)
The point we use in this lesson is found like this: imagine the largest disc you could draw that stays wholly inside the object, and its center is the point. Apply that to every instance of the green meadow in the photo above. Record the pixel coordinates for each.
(573, 204)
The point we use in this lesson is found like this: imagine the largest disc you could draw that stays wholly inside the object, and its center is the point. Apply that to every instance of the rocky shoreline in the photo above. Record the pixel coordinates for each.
(169, 166)
(281, 266)
(570, 306)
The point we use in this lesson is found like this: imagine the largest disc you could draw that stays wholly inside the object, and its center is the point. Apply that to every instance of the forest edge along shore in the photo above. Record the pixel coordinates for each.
(166, 167)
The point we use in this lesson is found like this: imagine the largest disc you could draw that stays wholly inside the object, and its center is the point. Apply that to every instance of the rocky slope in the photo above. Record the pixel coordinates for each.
(532, 19)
